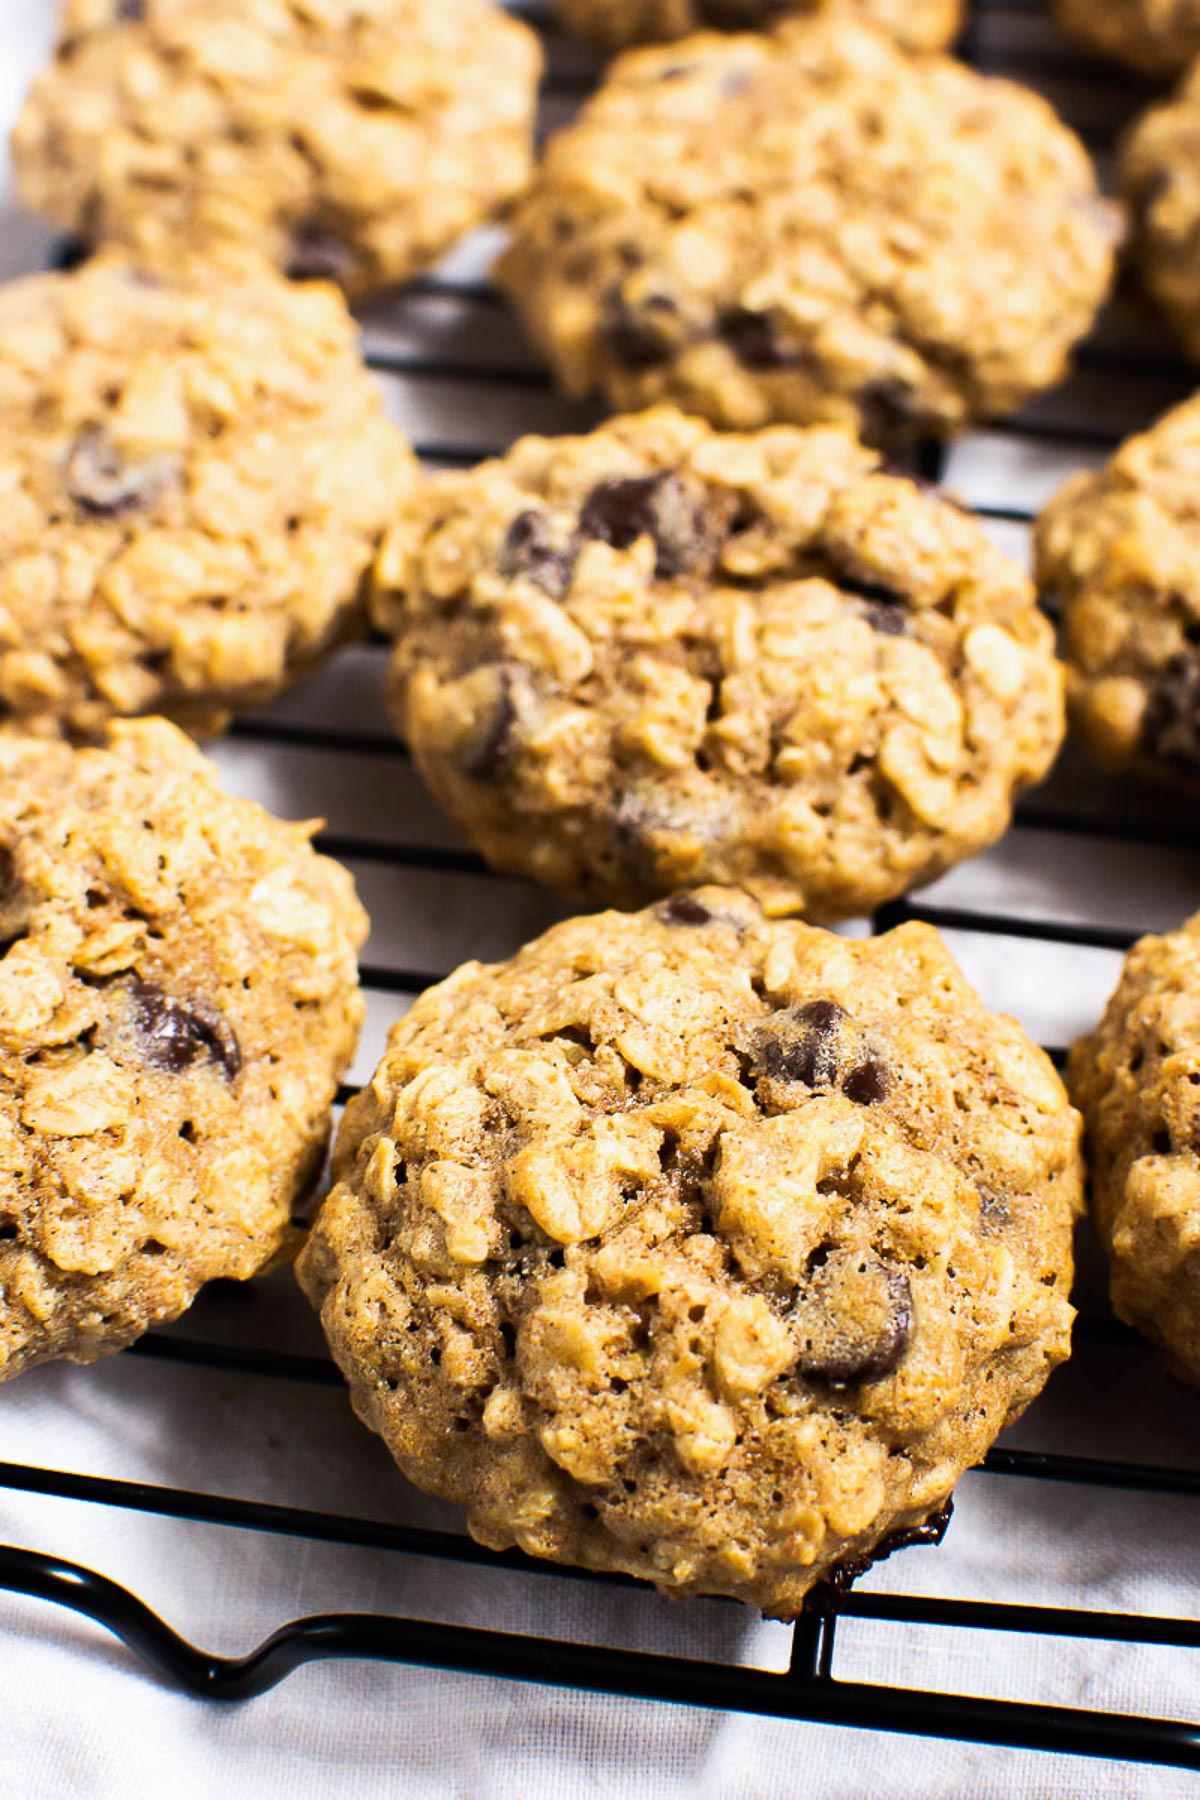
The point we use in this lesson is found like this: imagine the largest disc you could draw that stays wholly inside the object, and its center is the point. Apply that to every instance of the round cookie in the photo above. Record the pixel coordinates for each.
(195, 475)
(1157, 38)
(700, 1247)
(1160, 177)
(1120, 548)
(355, 139)
(917, 24)
(659, 655)
(178, 998)
(810, 226)
(1136, 1080)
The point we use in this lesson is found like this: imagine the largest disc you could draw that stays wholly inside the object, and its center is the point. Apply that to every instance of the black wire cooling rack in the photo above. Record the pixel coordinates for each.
(1120, 382)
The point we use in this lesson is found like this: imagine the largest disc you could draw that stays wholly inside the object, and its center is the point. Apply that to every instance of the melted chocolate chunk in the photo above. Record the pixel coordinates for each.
(685, 909)
(663, 507)
(318, 255)
(885, 616)
(103, 484)
(642, 335)
(1171, 721)
(855, 1318)
(802, 1045)
(173, 1034)
(891, 407)
(482, 758)
(131, 12)
(755, 341)
(841, 1578)
(867, 1084)
(528, 549)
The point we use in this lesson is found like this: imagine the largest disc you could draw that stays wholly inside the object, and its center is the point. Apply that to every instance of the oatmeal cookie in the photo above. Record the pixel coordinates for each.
(660, 654)
(700, 1247)
(1120, 548)
(1160, 176)
(1136, 1080)
(195, 476)
(178, 998)
(354, 139)
(811, 226)
(917, 24)
(1157, 38)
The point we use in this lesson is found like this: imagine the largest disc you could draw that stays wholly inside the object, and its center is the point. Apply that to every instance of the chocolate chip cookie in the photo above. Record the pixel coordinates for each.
(701, 1247)
(1157, 38)
(661, 654)
(811, 226)
(178, 998)
(1160, 176)
(196, 472)
(1136, 1080)
(354, 139)
(917, 24)
(1118, 547)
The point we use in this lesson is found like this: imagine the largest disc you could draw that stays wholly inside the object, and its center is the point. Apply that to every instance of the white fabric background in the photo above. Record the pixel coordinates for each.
(82, 1720)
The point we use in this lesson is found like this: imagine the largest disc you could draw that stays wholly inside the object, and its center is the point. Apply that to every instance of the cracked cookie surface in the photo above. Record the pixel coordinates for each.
(917, 24)
(350, 139)
(1136, 1079)
(661, 654)
(1159, 172)
(698, 1246)
(196, 474)
(178, 999)
(1120, 548)
(1157, 38)
(810, 226)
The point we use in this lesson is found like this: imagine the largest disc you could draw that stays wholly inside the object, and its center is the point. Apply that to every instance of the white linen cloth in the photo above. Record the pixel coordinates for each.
(82, 1720)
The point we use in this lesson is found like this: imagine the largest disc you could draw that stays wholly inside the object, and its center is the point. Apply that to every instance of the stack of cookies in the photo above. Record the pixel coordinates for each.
(695, 1241)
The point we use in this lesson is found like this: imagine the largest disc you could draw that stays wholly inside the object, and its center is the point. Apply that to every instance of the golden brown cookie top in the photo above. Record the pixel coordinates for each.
(354, 139)
(178, 998)
(700, 1246)
(1136, 1079)
(809, 226)
(195, 475)
(660, 654)
(1118, 548)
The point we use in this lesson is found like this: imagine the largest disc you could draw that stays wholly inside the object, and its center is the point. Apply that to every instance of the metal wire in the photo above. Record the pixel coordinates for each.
(810, 1688)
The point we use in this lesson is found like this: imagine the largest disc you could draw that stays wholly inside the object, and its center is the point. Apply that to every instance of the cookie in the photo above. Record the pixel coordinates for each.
(1136, 1080)
(178, 998)
(354, 139)
(700, 1247)
(196, 472)
(810, 227)
(917, 24)
(660, 654)
(1117, 548)
(1160, 176)
(1156, 38)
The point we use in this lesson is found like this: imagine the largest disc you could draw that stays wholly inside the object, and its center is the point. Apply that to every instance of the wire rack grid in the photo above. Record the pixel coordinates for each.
(464, 384)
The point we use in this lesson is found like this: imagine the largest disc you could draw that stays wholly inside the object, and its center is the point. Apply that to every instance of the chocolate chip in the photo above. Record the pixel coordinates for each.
(755, 341)
(824, 1597)
(482, 757)
(131, 12)
(854, 1319)
(102, 483)
(664, 507)
(528, 549)
(173, 1034)
(891, 407)
(886, 617)
(802, 1045)
(1171, 722)
(642, 335)
(318, 255)
(867, 1084)
(685, 909)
